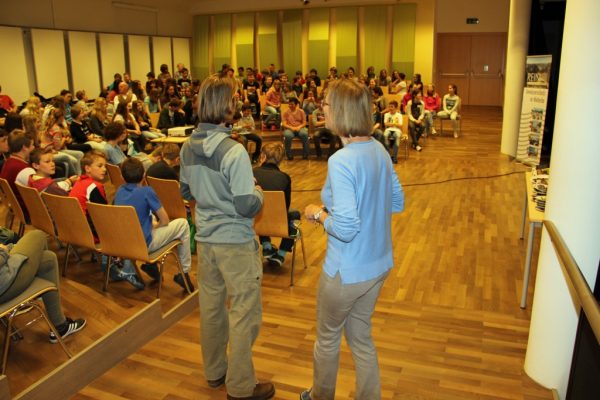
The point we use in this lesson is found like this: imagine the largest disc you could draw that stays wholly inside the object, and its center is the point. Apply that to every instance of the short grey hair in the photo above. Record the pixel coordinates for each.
(349, 108)
(215, 103)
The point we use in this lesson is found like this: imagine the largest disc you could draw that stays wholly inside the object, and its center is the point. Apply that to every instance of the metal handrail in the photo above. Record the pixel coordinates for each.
(584, 294)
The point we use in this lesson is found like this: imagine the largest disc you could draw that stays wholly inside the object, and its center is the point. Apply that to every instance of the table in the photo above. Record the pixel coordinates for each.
(535, 221)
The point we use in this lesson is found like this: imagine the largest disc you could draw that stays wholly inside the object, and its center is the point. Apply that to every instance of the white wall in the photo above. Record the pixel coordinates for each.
(451, 15)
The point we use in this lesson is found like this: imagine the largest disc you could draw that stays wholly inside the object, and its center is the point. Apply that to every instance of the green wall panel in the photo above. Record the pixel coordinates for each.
(222, 42)
(200, 47)
(245, 55)
(267, 39)
(291, 32)
(318, 58)
(375, 23)
(403, 45)
(346, 41)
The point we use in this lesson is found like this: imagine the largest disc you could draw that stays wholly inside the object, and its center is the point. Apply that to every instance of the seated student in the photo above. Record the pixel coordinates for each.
(20, 264)
(58, 137)
(3, 147)
(119, 146)
(246, 127)
(143, 119)
(321, 132)
(171, 116)
(89, 188)
(252, 93)
(269, 177)
(393, 129)
(294, 124)
(451, 106)
(273, 102)
(16, 167)
(165, 167)
(309, 105)
(406, 98)
(416, 115)
(376, 132)
(159, 232)
(80, 132)
(432, 104)
(42, 161)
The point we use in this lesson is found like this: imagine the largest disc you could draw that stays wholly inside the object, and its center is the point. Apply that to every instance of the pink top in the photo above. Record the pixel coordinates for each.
(294, 118)
(432, 103)
(274, 97)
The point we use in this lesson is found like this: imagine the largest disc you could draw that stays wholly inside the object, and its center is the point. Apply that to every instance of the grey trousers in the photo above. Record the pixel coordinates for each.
(41, 263)
(346, 308)
(230, 272)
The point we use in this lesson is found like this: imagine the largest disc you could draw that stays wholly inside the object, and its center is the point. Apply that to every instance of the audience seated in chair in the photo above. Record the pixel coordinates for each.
(273, 102)
(293, 124)
(321, 132)
(415, 110)
(171, 116)
(42, 161)
(245, 127)
(165, 167)
(451, 107)
(159, 232)
(269, 177)
(432, 103)
(89, 188)
(16, 167)
(26, 260)
(81, 133)
(393, 129)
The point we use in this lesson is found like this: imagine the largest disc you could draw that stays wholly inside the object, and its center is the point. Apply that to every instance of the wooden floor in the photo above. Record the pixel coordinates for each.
(447, 325)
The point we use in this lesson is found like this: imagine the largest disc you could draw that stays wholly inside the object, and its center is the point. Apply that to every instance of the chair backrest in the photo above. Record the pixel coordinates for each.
(169, 195)
(154, 119)
(8, 196)
(119, 230)
(38, 213)
(71, 224)
(272, 219)
(114, 173)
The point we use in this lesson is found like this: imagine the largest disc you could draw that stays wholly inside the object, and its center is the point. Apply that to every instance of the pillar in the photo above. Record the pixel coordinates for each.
(572, 200)
(516, 56)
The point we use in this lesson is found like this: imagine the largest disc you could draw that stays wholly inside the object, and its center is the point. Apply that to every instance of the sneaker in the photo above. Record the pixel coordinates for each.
(132, 278)
(305, 395)
(215, 383)
(418, 148)
(262, 391)
(179, 280)
(115, 273)
(152, 271)
(69, 327)
(269, 252)
(276, 260)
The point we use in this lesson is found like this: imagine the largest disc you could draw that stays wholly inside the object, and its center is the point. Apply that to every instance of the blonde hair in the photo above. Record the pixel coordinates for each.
(273, 153)
(99, 109)
(215, 104)
(349, 108)
(33, 105)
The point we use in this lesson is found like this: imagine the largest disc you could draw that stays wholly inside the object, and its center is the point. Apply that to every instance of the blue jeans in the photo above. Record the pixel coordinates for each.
(288, 135)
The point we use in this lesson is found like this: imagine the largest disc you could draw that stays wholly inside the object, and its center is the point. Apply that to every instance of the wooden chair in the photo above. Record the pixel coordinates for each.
(14, 207)
(169, 195)
(273, 221)
(120, 233)
(38, 213)
(72, 227)
(114, 173)
(27, 301)
(154, 119)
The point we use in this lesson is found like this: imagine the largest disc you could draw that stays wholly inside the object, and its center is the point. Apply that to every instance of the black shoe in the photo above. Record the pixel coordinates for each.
(152, 271)
(276, 260)
(179, 280)
(68, 328)
(215, 383)
(394, 160)
(269, 252)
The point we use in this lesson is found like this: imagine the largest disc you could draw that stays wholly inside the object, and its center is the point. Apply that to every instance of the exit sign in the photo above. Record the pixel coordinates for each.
(472, 21)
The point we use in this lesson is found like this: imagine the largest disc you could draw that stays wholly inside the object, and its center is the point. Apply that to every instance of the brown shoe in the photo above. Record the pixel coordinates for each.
(262, 391)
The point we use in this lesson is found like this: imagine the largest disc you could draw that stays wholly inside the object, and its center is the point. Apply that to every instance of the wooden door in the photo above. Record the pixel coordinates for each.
(473, 62)
(453, 64)
(486, 85)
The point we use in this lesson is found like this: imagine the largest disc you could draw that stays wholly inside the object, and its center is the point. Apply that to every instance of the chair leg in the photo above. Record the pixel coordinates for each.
(303, 253)
(292, 268)
(67, 253)
(21, 229)
(180, 268)
(53, 329)
(107, 273)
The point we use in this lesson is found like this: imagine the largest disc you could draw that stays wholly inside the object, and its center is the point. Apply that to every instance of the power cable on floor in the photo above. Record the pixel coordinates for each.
(464, 178)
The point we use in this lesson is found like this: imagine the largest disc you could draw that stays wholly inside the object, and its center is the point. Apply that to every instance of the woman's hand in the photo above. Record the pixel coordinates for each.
(310, 211)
